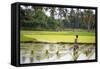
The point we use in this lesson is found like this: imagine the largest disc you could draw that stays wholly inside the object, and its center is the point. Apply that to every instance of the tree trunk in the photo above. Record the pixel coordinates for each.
(89, 23)
(88, 27)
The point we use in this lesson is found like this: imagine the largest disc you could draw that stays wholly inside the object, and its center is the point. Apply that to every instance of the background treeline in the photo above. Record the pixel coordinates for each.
(56, 18)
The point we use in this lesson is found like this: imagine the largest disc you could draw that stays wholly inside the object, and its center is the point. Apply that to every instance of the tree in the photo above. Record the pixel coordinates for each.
(52, 12)
(56, 18)
(72, 18)
(61, 16)
(88, 14)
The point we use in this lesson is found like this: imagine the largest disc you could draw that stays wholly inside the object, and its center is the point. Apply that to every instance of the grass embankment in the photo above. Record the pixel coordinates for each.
(53, 37)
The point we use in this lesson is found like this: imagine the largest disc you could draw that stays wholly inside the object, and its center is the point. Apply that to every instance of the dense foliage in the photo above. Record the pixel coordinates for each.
(56, 18)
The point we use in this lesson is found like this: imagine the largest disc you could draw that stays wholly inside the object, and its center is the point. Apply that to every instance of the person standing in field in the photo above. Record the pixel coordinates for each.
(76, 43)
(75, 49)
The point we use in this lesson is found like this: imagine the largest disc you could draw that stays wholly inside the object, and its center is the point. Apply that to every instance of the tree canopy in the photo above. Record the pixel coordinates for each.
(56, 18)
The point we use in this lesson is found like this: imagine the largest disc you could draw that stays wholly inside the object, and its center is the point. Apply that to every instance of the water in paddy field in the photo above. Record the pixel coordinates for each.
(39, 52)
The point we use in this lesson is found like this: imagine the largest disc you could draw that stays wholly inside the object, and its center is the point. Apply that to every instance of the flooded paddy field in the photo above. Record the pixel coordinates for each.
(50, 52)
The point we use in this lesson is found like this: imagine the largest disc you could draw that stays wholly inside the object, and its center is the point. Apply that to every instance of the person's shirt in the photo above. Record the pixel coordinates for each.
(75, 40)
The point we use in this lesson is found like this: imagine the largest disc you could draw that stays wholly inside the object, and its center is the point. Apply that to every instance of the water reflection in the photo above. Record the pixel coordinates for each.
(37, 53)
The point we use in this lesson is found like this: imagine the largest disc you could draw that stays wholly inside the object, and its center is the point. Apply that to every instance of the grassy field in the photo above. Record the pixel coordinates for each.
(50, 36)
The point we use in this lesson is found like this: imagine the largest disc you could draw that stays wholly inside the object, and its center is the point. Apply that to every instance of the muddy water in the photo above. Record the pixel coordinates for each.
(39, 53)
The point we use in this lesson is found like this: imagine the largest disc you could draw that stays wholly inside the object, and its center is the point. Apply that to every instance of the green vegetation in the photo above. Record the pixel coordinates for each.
(50, 36)
(56, 18)
(57, 24)
(63, 29)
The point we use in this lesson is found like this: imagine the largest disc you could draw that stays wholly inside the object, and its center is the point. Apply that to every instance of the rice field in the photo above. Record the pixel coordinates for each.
(52, 36)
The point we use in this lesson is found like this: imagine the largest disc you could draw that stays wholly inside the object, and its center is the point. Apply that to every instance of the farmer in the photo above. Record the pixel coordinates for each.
(76, 43)
(75, 49)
